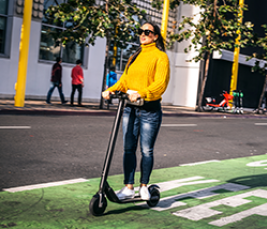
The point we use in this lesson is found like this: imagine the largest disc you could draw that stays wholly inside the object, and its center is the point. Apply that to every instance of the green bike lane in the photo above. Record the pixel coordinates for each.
(217, 194)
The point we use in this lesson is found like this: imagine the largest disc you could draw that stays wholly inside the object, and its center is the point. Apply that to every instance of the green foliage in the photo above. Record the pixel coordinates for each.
(261, 57)
(117, 18)
(215, 27)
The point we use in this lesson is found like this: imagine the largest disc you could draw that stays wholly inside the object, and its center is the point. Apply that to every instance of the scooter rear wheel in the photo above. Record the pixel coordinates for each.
(155, 196)
(94, 206)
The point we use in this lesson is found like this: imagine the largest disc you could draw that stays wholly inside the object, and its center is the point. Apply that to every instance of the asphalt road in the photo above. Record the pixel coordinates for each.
(40, 149)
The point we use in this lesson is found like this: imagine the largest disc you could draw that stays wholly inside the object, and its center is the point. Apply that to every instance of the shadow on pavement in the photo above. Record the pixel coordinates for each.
(123, 210)
(252, 181)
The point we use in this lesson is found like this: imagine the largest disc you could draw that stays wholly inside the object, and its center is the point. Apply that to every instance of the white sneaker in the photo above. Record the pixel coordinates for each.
(125, 193)
(144, 193)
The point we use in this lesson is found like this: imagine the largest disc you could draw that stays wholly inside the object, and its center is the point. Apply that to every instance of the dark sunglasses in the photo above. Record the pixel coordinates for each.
(146, 31)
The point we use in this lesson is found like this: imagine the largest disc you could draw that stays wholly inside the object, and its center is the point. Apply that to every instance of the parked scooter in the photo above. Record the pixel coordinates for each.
(219, 104)
(238, 101)
(98, 203)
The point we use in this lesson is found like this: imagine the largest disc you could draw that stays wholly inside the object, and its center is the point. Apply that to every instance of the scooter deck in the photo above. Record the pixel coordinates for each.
(137, 199)
(111, 195)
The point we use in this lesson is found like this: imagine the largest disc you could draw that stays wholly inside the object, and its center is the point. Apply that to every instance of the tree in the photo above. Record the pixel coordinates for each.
(214, 28)
(116, 20)
(260, 63)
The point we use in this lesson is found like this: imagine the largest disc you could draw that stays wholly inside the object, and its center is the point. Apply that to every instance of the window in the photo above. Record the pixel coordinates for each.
(50, 45)
(3, 22)
(154, 14)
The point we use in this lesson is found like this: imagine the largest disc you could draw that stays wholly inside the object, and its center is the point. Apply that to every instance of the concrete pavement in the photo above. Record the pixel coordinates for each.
(39, 107)
(212, 194)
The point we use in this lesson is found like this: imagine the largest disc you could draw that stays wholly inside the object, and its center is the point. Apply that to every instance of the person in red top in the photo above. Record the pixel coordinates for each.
(77, 82)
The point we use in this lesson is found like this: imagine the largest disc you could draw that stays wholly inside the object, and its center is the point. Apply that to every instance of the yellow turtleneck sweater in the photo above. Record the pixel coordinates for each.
(148, 75)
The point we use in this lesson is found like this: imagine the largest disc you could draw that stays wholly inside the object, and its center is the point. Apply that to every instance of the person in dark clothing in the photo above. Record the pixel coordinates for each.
(56, 82)
(77, 82)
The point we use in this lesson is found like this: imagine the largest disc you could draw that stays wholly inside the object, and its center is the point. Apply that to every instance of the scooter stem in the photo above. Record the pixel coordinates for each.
(111, 145)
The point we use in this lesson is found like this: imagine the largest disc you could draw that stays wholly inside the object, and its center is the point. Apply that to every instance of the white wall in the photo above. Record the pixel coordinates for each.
(182, 88)
(9, 66)
(39, 72)
(186, 81)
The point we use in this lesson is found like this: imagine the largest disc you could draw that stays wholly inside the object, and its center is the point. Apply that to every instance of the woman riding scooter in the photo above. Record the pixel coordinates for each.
(146, 76)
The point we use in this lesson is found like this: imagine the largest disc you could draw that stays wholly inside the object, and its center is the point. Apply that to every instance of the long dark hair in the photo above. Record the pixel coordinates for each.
(160, 44)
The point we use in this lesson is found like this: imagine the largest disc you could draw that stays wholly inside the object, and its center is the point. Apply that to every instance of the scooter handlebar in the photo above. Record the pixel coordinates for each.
(121, 95)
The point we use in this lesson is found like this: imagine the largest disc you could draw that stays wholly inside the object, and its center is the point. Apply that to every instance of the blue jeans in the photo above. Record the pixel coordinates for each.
(145, 124)
(52, 87)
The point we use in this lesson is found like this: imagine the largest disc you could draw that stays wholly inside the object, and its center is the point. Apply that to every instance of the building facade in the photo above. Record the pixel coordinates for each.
(182, 89)
(249, 82)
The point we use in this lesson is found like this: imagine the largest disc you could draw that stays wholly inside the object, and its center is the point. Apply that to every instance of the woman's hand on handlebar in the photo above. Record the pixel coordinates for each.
(106, 94)
(133, 97)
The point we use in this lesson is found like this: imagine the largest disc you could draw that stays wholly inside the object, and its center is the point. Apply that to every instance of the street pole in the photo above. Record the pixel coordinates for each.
(20, 85)
(233, 84)
(164, 22)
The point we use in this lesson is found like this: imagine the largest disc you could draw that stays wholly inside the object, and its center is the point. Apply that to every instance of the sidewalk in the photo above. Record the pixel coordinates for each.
(39, 107)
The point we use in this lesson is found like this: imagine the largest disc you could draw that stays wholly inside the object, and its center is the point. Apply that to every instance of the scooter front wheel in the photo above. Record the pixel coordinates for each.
(207, 108)
(155, 196)
(94, 206)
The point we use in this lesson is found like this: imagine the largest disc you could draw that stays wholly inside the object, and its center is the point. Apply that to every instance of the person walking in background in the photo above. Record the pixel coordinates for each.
(146, 76)
(56, 82)
(111, 79)
(77, 82)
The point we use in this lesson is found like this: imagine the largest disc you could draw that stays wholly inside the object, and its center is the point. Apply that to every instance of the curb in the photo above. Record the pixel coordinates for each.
(113, 113)
(54, 112)
(216, 116)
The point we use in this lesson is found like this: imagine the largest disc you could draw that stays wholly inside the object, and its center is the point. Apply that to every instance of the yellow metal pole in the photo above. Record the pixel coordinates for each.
(20, 85)
(164, 22)
(233, 83)
(115, 50)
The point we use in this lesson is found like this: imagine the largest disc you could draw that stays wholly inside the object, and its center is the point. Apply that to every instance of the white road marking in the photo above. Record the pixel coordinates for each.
(45, 185)
(179, 125)
(199, 163)
(15, 127)
(259, 210)
(176, 200)
(257, 163)
(261, 124)
(206, 210)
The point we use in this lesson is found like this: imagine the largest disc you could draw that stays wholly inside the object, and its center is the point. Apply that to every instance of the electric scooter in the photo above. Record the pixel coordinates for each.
(212, 103)
(98, 203)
